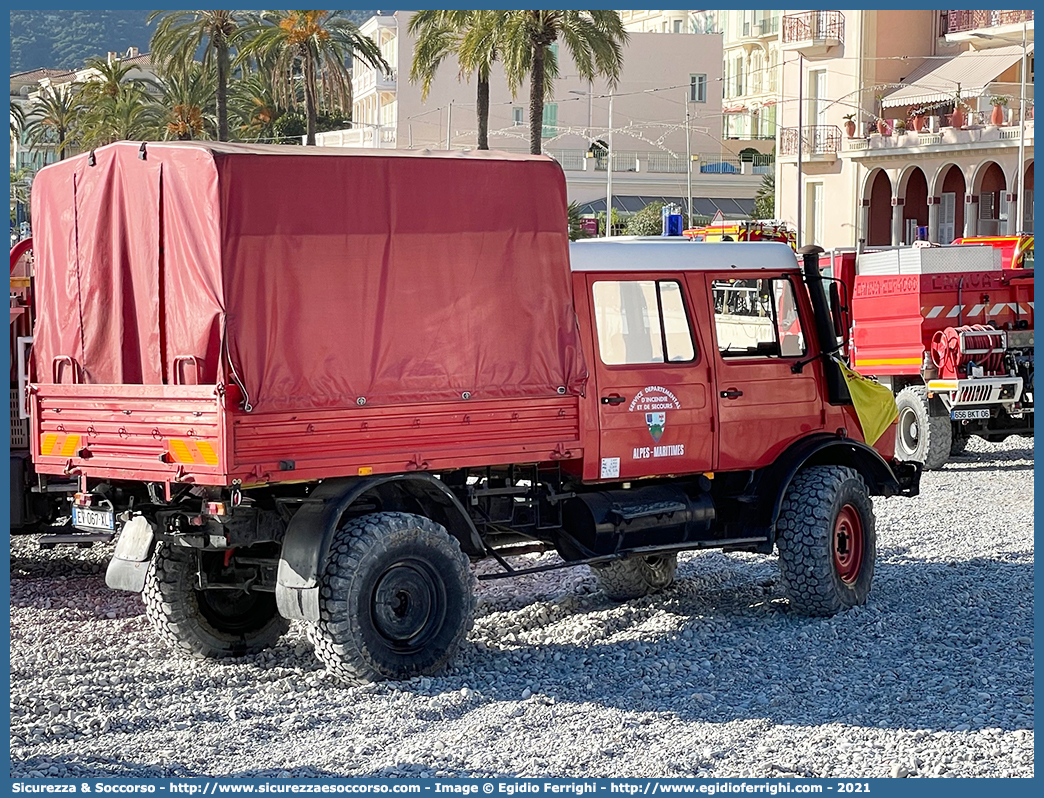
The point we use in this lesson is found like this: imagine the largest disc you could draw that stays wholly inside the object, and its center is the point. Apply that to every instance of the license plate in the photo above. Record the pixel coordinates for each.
(85, 518)
(967, 415)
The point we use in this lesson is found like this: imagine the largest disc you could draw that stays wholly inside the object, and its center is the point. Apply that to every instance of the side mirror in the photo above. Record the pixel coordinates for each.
(836, 311)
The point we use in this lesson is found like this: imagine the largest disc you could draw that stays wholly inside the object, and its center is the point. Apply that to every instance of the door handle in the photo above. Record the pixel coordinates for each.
(731, 393)
(613, 399)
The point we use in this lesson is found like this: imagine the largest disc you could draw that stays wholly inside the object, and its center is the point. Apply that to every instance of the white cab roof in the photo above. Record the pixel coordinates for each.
(646, 254)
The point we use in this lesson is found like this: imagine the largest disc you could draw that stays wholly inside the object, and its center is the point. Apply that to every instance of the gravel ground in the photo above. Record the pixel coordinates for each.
(715, 677)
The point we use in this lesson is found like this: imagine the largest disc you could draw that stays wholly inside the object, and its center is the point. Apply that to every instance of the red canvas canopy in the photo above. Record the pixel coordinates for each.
(325, 276)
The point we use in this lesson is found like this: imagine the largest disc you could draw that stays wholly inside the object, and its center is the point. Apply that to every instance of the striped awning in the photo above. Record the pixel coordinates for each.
(938, 81)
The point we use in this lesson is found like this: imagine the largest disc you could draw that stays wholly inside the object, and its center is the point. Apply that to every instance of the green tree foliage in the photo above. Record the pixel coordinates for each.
(765, 198)
(183, 108)
(54, 119)
(316, 46)
(474, 37)
(594, 41)
(646, 222)
(181, 34)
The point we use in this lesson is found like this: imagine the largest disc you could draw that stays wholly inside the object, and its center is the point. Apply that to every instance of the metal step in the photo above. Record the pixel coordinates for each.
(82, 540)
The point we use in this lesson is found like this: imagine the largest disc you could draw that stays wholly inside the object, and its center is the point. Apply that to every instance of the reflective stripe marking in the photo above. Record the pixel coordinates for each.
(931, 314)
(975, 311)
(207, 452)
(192, 452)
(891, 361)
(996, 309)
(954, 311)
(69, 447)
(54, 445)
(180, 450)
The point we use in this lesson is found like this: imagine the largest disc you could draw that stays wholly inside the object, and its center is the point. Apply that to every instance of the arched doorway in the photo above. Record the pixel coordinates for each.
(915, 205)
(993, 204)
(951, 206)
(1027, 203)
(879, 226)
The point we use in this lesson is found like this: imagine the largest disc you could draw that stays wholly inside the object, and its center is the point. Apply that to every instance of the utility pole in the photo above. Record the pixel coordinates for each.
(609, 171)
(449, 124)
(1021, 179)
(801, 121)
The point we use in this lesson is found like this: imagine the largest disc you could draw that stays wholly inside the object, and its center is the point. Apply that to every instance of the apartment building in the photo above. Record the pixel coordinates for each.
(888, 127)
(750, 78)
(665, 95)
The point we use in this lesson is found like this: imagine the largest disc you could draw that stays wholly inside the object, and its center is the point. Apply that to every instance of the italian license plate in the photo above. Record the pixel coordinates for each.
(968, 415)
(85, 518)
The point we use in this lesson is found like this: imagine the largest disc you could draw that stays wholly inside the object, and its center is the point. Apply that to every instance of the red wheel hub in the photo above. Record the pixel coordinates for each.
(848, 544)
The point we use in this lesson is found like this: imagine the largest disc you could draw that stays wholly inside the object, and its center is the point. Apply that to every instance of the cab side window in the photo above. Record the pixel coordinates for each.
(757, 318)
(640, 320)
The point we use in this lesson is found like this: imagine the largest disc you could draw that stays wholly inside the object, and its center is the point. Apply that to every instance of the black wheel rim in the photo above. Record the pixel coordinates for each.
(408, 605)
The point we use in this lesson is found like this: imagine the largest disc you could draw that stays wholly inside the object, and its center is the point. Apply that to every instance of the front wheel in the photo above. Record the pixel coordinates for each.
(920, 436)
(396, 599)
(206, 623)
(827, 540)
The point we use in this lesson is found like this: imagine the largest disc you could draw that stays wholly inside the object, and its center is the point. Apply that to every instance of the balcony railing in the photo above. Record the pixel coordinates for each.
(811, 26)
(815, 140)
(963, 21)
(661, 163)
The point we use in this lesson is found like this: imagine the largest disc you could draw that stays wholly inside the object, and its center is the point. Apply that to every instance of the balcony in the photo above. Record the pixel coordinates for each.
(963, 25)
(372, 80)
(662, 163)
(940, 136)
(818, 142)
(814, 34)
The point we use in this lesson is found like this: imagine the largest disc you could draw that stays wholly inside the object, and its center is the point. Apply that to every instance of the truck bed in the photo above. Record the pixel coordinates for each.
(186, 434)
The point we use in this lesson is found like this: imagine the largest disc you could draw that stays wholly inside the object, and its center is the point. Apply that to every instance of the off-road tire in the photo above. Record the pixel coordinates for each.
(636, 576)
(921, 437)
(813, 578)
(388, 573)
(206, 624)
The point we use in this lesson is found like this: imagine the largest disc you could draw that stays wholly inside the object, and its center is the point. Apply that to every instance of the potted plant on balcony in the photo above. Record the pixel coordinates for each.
(850, 125)
(882, 127)
(959, 107)
(999, 103)
(917, 117)
(900, 127)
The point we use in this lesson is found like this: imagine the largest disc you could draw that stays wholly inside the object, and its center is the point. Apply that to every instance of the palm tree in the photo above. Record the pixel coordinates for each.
(186, 94)
(473, 36)
(179, 36)
(594, 40)
(114, 106)
(313, 47)
(254, 106)
(765, 198)
(53, 118)
(17, 120)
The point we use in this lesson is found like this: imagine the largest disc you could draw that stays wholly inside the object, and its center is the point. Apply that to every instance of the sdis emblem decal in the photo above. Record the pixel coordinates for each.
(656, 422)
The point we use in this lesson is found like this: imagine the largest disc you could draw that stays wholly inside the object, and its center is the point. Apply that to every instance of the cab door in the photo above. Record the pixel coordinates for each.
(764, 405)
(654, 381)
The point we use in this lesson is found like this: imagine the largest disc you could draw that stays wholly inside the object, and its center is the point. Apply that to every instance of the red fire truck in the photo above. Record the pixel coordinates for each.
(298, 393)
(950, 330)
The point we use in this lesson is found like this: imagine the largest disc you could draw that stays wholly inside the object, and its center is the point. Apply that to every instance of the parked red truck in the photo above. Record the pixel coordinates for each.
(950, 330)
(312, 384)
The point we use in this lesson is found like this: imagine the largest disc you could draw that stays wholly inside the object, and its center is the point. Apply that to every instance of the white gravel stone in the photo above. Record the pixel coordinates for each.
(715, 677)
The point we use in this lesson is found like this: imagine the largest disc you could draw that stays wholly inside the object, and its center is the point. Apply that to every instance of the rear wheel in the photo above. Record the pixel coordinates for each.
(637, 576)
(827, 540)
(206, 623)
(958, 442)
(397, 598)
(921, 437)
